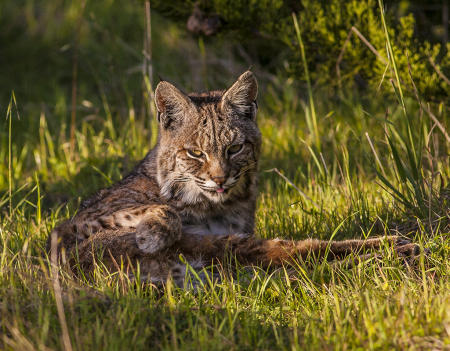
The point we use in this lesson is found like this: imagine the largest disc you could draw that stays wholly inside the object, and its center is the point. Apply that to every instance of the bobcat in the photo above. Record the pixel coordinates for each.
(193, 194)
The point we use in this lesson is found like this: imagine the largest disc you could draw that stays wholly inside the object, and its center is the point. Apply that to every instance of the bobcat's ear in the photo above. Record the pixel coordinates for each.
(241, 97)
(172, 104)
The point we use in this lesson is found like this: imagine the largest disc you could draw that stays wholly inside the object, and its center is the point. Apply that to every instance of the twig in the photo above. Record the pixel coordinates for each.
(341, 54)
(438, 71)
(294, 186)
(436, 121)
(147, 69)
(148, 42)
(365, 41)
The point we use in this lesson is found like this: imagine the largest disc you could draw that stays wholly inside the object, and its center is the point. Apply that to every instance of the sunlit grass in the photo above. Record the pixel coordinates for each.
(380, 304)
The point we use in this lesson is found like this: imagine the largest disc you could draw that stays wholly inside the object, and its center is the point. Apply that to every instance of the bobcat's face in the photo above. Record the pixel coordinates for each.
(209, 144)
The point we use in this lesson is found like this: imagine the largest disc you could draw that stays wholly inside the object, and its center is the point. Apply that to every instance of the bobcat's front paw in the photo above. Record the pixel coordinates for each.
(150, 238)
(153, 237)
(410, 250)
(405, 248)
(158, 233)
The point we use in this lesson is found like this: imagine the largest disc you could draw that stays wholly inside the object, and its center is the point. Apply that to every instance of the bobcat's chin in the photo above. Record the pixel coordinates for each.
(217, 195)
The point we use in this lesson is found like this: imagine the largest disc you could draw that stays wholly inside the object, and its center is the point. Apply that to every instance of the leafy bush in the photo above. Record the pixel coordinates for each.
(325, 26)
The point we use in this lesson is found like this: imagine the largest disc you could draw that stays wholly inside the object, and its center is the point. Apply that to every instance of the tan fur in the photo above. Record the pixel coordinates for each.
(175, 202)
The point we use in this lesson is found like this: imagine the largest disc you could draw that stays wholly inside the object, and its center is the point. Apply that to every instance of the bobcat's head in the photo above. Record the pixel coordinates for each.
(209, 143)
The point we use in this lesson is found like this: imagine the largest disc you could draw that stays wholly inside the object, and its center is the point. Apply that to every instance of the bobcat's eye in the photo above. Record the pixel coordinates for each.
(195, 153)
(233, 149)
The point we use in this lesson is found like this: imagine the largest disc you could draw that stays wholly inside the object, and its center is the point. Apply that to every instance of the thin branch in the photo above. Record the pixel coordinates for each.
(341, 54)
(369, 45)
(438, 71)
(147, 69)
(148, 42)
(365, 41)
(436, 121)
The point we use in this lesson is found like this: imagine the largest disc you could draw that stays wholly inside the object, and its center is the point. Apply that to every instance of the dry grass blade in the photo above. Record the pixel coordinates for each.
(438, 124)
(375, 154)
(438, 71)
(365, 41)
(275, 170)
(58, 293)
(313, 115)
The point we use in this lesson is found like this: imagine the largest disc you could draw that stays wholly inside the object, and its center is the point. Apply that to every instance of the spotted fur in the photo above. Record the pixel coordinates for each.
(193, 194)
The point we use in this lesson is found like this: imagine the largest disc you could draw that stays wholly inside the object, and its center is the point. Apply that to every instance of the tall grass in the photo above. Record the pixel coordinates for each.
(310, 112)
(415, 191)
(9, 116)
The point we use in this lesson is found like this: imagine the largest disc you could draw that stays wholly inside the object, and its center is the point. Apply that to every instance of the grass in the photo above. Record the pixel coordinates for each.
(382, 164)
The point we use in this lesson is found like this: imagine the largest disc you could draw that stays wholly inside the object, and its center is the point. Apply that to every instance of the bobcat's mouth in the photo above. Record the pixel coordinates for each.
(217, 190)
(214, 189)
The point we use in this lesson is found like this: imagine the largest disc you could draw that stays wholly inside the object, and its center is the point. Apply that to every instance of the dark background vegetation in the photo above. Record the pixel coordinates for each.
(40, 40)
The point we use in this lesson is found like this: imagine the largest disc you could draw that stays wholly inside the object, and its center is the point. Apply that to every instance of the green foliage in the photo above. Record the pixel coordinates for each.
(325, 26)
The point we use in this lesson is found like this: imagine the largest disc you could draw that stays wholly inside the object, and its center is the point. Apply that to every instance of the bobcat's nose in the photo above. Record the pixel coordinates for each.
(219, 180)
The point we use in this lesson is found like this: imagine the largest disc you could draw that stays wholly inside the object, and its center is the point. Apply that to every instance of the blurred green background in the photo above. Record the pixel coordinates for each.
(40, 40)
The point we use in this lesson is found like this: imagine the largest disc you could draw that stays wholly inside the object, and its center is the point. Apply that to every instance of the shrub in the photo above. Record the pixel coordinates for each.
(325, 26)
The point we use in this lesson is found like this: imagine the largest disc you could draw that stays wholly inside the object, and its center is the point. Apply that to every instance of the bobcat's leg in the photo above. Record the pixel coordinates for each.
(279, 251)
(252, 250)
(155, 226)
(118, 251)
